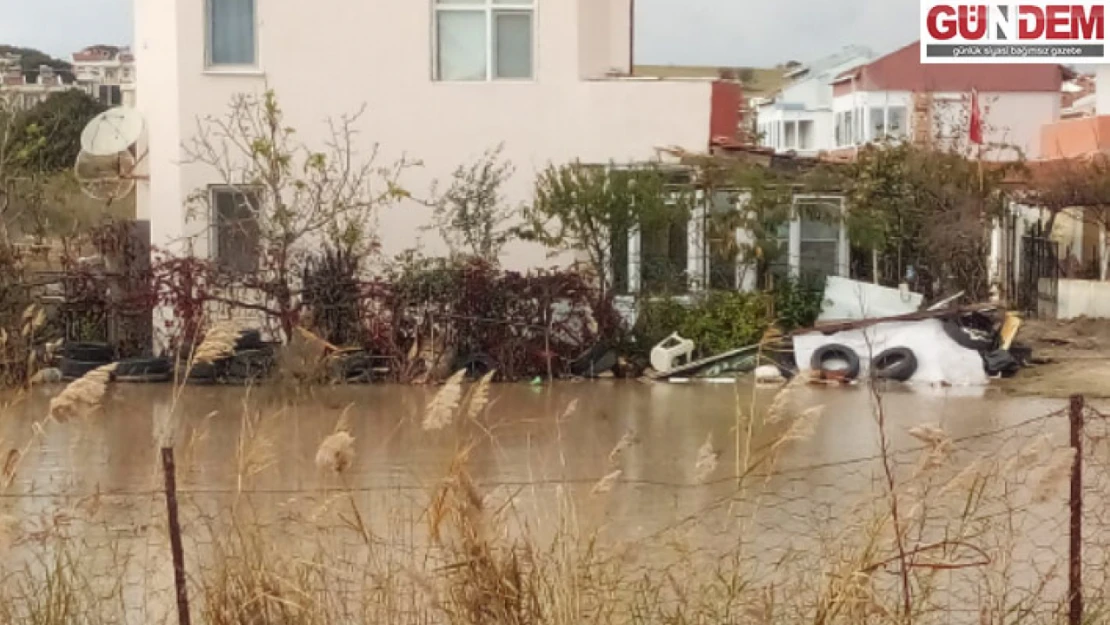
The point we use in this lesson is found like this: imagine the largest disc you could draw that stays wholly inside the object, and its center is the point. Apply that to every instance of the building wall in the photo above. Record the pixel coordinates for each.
(1009, 118)
(378, 54)
(1102, 96)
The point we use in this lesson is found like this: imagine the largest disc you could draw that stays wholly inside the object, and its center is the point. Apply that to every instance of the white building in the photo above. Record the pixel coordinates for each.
(107, 73)
(442, 81)
(897, 96)
(799, 118)
(23, 90)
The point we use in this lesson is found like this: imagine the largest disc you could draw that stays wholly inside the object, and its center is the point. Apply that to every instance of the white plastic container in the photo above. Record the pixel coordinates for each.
(670, 352)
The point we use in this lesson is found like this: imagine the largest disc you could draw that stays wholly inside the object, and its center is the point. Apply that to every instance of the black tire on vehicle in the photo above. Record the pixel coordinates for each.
(349, 367)
(898, 364)
(144, 370)
(594, 362)
(827, 354)
(89, 352)
(249, 339)
(250, 365)
(967, 337)
(72, 369)
(204, 372)
(477, 365)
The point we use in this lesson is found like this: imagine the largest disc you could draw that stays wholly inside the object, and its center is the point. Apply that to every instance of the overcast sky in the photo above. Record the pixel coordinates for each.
(693, 32)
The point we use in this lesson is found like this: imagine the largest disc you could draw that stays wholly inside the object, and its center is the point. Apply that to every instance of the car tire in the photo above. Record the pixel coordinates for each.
(832, 352)
(477, 365)
(250, 365)
(966, 337)
(144, 370)
(898, 364)
(249, 339)
(73, 369)
(89, 352)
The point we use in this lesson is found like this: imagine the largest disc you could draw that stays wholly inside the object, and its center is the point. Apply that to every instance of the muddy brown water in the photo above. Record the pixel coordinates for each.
(528, 448)
(527, 436)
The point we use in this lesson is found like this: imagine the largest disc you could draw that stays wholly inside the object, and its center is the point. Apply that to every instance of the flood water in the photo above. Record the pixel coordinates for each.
(538, 446)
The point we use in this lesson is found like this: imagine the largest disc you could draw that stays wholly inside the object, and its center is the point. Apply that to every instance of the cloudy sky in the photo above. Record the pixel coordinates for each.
(698, 32)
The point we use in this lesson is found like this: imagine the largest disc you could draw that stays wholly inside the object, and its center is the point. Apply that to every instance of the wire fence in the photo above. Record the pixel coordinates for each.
(1001, 526)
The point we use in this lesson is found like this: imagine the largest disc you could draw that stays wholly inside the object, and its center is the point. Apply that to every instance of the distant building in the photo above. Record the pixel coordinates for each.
(897, 96)
(800, 118)
(107, 73)
(851, 99)
(21, 89)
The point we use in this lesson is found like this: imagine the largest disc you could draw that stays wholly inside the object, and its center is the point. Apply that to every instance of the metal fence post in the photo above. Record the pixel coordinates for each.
(1075, 505)
(176, 548)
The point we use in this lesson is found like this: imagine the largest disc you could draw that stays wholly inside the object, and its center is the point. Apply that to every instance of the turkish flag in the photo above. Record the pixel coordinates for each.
(975, 132)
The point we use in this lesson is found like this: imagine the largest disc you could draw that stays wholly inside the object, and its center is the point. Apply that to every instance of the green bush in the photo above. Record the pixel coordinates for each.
(721, 321)
(798, 303)
(724, 320)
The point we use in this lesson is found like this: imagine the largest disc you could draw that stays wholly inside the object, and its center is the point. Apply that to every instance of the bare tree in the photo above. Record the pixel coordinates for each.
(297, 196)
(472, 214)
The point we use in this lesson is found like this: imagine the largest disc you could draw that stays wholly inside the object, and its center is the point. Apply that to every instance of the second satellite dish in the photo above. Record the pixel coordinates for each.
(112, 132)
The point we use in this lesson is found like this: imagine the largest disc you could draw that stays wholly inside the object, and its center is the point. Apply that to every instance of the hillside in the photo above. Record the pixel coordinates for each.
(31, 59)
(757, 80)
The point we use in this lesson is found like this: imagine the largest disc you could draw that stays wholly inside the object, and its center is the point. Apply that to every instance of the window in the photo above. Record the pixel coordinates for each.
(878, 124)
(110, 95)
(790, 140)
(231, 33)
(721, 240)
(664, 253)
(839, 130)
(236, 228)
(479, 40)
(896, 121)
(819, 237)
(805, 135)
(849, 136)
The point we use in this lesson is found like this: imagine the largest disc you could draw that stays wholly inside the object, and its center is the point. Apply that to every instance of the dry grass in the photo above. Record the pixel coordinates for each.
(83, 395)
(478, 554)
(219, 342)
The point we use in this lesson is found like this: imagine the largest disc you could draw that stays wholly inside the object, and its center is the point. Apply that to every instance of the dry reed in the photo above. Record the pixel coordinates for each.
(83, 395)
(441, 410)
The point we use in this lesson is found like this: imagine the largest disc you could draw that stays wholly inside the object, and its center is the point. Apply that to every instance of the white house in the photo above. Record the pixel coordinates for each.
(442, 81)
(897, 96)
(800, 117)
(107, 73)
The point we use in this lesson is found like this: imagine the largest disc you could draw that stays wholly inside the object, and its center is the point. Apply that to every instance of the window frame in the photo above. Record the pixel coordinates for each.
(490, 8)
(214, 220)
(211, 66)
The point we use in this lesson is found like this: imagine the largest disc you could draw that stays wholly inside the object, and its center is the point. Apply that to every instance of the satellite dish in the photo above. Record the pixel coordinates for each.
(105, 178)
(112, 132)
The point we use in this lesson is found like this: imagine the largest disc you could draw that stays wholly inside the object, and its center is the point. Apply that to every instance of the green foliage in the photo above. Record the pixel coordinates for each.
(31, 59)
(927, 209)
(472, 215)
(721, 321)
(586, 208)
(47, 137)
(797, 303)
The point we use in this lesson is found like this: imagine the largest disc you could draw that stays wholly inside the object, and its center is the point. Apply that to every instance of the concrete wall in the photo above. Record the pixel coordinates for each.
(1083, 298)
(378, 54)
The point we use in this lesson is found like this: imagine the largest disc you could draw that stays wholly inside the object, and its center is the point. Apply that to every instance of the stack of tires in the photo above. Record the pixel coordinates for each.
(251, 362)
(80, 358)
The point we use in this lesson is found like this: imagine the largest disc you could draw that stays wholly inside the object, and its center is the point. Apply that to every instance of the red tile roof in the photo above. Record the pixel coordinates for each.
(903, 70)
